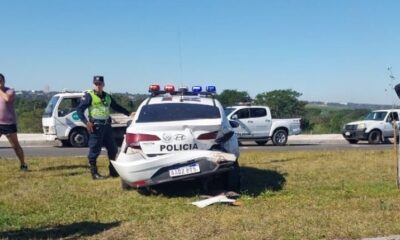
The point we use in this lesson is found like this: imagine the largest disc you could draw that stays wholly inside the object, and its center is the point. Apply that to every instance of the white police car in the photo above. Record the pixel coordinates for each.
(179, 135)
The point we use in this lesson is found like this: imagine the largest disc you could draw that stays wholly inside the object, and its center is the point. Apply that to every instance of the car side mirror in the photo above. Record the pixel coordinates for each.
(234, 117)
(233, 124)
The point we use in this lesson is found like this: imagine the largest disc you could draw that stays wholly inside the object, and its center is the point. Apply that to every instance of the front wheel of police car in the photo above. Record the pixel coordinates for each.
(178, 136)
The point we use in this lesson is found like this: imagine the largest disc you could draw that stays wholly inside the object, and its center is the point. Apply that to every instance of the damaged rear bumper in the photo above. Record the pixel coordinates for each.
(140, 171)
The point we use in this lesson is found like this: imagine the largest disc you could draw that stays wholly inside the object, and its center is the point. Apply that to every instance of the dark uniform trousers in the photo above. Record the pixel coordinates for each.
(101, 136)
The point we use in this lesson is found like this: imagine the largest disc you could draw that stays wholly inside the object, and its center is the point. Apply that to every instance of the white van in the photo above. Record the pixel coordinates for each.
(376, 128)
(61, 122)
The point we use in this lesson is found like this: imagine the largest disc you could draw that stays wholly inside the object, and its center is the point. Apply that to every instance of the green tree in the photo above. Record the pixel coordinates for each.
(330, 120)
(128, 101)
(230, 97)
(283, 103)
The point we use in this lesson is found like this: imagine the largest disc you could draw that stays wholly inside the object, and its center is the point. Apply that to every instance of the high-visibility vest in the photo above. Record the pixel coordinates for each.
(99, 109)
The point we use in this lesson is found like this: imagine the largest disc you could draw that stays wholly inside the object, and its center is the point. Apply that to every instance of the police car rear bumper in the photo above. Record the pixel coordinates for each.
(139, 171)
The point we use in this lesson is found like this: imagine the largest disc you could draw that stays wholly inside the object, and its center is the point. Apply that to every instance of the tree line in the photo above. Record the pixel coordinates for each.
(284, 103)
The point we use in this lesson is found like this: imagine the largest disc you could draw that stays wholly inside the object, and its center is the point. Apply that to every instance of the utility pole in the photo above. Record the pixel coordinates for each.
(395, 135)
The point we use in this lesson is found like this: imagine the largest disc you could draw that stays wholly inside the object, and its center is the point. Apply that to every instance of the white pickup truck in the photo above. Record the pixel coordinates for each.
(376, 128)
(60, 121)
(256, 124)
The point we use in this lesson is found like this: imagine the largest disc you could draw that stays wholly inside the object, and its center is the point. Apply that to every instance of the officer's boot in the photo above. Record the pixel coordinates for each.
(113, 172)
(95, 173)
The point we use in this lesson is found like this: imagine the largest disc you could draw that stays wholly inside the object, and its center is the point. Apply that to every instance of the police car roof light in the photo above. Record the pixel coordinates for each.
(196, 89)
(183, 89)
(154, 88)
(211, 89)
(169, 88)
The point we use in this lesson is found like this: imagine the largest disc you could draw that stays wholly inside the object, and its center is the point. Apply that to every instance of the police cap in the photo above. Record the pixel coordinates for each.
(97, 79)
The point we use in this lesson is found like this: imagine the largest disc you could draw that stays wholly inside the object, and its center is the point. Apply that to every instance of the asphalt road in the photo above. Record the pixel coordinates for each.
(51, 151)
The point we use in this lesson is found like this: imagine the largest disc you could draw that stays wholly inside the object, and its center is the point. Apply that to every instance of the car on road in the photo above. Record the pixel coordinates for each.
(256, 124)
(60, 121)
(179, 135)
(377, 127)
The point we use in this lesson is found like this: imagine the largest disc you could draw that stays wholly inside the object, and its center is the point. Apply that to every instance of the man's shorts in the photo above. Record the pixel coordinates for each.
(6, 129)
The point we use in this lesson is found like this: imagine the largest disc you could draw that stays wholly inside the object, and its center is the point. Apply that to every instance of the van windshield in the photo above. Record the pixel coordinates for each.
(376, 116)
(177, 112)
(48, 112)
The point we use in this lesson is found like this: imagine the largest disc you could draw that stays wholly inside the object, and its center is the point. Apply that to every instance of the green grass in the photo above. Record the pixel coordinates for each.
(285, 195)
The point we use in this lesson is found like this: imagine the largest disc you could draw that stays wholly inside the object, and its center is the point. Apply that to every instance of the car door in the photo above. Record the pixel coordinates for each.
(242, 116)
(259, 122)
(66, 114)
(388, 125)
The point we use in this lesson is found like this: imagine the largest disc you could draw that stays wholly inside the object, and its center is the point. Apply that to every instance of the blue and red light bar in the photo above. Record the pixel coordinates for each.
(169, 88)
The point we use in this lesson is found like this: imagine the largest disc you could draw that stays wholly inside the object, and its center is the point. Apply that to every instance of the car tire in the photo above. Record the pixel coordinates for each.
(387, 141)
(280, 137)
(261, 143)
(374, 137)
(352, 141)
(65, 143)
(78, 138)
(232, 178)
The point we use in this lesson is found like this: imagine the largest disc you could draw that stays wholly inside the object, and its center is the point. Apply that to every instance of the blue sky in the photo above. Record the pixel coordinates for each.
(336, 50)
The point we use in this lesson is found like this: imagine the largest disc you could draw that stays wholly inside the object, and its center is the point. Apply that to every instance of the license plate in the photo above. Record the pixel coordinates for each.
(185, 170)
(347, 133)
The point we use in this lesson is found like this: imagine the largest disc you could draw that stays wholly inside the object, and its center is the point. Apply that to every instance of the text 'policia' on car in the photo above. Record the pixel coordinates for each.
(179, 135)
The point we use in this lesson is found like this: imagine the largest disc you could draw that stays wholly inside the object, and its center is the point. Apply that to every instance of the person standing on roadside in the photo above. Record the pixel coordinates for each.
(98, 125)
(8, 121)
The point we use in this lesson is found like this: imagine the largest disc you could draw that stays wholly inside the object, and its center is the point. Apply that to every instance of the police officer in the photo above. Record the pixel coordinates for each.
(99, 124)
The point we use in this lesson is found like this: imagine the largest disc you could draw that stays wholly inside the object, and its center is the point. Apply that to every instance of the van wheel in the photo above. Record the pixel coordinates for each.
(280, 137)
(65, 143)
(78, 138)
(374, 137)
(261, 143)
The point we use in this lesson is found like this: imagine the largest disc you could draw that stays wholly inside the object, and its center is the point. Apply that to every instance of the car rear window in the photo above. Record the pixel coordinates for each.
(177, 112)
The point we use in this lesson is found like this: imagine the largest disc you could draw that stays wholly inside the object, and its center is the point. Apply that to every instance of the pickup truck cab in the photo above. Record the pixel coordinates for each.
(376, 128)
(256, 124)
(61, 122)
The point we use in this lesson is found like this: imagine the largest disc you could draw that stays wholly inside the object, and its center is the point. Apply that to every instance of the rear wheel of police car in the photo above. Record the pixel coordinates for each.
(78, 137)
(125, 186)
(232, 178)
(279, 138)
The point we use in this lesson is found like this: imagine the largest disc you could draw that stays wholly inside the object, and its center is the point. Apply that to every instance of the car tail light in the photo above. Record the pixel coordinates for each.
(208, 136)
(133, 140)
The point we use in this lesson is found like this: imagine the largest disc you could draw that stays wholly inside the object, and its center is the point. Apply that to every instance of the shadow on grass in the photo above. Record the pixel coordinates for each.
(71, 231)
(63, 167)
(254, 181)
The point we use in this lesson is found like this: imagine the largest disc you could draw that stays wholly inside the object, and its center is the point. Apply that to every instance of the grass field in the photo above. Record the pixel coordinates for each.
(285, 195)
